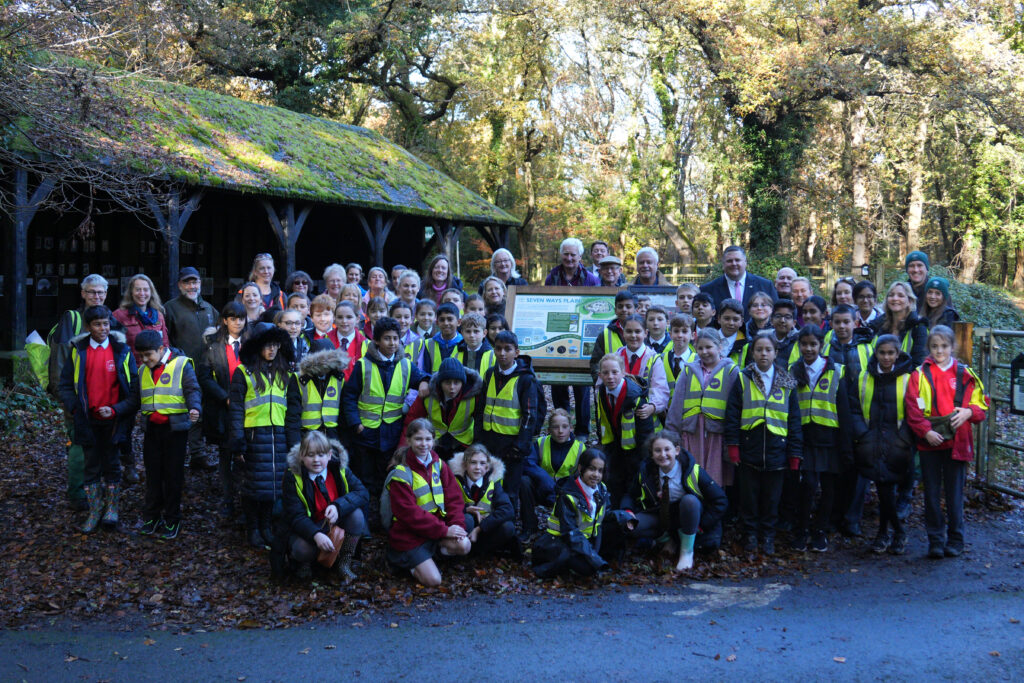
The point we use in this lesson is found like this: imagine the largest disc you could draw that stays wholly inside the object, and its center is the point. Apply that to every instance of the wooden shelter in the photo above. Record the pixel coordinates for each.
(245, 178)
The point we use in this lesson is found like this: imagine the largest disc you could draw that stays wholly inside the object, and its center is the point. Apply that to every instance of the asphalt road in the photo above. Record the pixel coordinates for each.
(851, 616)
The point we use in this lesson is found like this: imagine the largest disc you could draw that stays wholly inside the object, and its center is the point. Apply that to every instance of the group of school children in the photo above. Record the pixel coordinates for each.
(427, 422)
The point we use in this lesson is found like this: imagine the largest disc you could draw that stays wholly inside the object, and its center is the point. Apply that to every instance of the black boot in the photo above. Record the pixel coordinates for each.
(266, 528)
(252, 523)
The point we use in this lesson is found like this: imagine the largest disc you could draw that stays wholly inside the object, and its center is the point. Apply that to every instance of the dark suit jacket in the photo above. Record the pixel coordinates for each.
(719, 289)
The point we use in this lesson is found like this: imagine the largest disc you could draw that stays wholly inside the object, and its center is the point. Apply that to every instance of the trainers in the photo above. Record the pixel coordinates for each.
(952, 551)
(850, 530)
(936, 551)
(899, 544)
(819, 543)
(149, 527)
(881, 542)
(799, 543)
(169, 532)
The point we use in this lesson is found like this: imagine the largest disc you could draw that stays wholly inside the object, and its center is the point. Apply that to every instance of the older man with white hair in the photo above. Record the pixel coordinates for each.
(571, 272)
(647, 272)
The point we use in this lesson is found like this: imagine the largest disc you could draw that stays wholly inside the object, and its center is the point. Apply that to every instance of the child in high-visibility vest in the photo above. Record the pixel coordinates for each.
(678, 353)
(763, 437)
(450, 406)
(490, 517)
(942, 386)
(625, 420)
(443, 344)
(99, 389)
(265, 422)
(610, 340)
(170, 401)
(825, 421)
(553, 457)
(759, 314)
(643, 363)
(784, 314)
(730, 324)
(474, 351)
(321, 378)
(703, 309)
(318, 492)
(373, 404)
(511, 409)
(676, 500)
(697, 411)
(428, 513)
(656, 322)
(350, 340)
(579, 537)
(882, 454)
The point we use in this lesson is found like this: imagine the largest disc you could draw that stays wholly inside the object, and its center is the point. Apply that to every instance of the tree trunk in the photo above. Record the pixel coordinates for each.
(1018, 271)
(856, 126)
(812, 236)
(970, 256)
(915, 205)
(947, 248)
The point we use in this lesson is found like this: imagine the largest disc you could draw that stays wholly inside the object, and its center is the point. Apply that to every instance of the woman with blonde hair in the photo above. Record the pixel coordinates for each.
(141, 309)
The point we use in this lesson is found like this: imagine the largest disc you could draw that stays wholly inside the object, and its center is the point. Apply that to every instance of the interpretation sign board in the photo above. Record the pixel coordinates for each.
(557, 326)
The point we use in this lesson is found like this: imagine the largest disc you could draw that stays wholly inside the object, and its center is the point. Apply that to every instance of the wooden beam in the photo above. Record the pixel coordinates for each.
(25, 208)
(489, 236)
(172, 225)
(287, 227)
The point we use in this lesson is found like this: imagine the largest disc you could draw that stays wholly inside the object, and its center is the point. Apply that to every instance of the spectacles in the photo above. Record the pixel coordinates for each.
(96, 292)
(865, 297)
(780, 316)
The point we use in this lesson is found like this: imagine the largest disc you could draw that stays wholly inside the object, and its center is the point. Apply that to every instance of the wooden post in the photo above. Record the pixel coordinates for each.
(487, 232)
(964, 334)
(25, 208)
(172, 225)
(378, 234)
(287, 228)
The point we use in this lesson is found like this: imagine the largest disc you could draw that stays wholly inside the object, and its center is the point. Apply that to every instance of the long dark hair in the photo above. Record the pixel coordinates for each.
(277, 370)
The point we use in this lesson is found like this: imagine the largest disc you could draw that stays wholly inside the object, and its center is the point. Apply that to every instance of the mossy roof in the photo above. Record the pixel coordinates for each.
(214, 140)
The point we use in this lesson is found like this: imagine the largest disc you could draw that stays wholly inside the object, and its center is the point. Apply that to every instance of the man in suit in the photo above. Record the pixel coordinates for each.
(737, 283)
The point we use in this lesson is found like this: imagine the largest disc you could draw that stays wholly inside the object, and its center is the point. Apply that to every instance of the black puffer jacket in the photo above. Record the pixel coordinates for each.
(212, 373)
(296, 518)
(882, 448)
(760, 448)
(265, 448)
(819, 436)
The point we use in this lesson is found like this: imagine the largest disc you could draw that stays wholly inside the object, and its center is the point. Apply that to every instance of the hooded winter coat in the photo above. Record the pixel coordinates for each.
(760, 448)
(296, 517)
(265, 448)
(75, 396)
(447, 444)
(386, 436)
(882, 446)
(501, 505)
(317, 369)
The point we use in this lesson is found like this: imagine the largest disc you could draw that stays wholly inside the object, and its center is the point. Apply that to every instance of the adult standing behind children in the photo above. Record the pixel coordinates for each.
(438, 278)
(647, 271)
(570, 271)
(736, 282)
(503, 267)
(188, 319)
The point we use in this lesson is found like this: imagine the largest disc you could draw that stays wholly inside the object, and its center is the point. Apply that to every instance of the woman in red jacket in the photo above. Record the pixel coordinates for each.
(944, 387)
(141, 310)
(428, 514)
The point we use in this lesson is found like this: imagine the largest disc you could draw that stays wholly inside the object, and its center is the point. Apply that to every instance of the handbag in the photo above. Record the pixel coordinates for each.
(337, 535)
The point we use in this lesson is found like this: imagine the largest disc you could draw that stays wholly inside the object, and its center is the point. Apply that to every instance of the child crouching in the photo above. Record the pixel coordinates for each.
(490, 517)
(577, 540)
(319, 492)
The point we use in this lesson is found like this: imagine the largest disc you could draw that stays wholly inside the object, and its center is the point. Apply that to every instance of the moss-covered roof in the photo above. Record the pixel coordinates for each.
(205, 138)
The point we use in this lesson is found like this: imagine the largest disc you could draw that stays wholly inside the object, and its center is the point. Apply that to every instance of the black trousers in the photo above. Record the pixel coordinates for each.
(102, 458)
(501, 537)
(163, 454)
(809, 483)
(581, 394)
(760, 491)
(887, 495)
(684, 517)
(620, 471)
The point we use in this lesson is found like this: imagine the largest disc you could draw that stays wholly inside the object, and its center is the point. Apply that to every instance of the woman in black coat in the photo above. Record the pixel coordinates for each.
(266, 429)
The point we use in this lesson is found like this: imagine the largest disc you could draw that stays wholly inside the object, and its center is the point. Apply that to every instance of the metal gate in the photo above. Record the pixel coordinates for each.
(1000, 438)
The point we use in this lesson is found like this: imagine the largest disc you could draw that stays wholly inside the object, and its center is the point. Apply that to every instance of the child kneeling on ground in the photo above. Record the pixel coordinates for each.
(672, 493)
(490, 517)
(426, 507)
(320, 491)
(577, 539)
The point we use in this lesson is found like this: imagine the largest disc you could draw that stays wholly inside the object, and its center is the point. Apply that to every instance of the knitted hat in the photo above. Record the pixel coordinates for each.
(939, 283)
(451, 368)
(917, 256)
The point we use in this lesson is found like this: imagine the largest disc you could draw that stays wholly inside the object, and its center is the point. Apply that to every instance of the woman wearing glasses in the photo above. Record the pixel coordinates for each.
(503, 267)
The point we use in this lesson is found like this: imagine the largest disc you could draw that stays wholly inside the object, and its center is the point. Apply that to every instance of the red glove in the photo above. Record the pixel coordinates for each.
(794, 464)
(734, 454)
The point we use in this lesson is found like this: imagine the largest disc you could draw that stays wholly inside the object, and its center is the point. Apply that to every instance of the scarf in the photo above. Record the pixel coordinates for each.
(148, 317)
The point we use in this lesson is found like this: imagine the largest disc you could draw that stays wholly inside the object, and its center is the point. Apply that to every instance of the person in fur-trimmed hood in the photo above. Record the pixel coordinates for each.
(450, 407)
(321, 378)
(490, 517)
(319, 491)
(763, 437)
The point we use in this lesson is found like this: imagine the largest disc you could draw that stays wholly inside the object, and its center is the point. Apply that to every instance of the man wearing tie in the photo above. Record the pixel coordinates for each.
(737, 283)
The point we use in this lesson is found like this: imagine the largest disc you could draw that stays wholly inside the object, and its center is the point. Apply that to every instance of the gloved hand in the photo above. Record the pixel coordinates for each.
(794, 464)
(734, 454)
